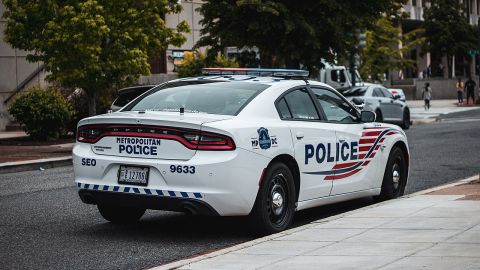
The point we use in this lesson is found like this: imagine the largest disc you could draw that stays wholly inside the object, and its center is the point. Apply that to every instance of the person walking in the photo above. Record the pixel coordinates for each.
(460, 87)
(470, 89)
(427, 95)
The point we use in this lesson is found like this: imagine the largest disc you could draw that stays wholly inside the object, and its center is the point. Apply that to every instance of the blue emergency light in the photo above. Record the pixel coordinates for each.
(284, 73)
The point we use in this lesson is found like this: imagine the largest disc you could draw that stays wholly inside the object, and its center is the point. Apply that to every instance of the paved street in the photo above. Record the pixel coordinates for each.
(43, 224)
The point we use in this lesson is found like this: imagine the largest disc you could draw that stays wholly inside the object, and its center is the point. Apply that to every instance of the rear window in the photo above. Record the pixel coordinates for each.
(226, 98)
(355, 92)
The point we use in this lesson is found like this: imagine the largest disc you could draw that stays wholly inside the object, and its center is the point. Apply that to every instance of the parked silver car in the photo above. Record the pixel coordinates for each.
(388, 107)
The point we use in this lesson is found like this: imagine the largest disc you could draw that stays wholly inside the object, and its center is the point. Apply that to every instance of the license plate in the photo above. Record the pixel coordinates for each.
(133, 175)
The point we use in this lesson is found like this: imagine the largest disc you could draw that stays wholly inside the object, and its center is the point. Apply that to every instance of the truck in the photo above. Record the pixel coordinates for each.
(338, 77)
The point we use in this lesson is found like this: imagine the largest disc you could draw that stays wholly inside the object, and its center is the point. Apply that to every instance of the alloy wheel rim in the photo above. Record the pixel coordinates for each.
(396, 176)
(276, 199)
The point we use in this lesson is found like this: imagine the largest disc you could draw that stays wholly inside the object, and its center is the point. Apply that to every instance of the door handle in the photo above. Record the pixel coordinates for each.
(300, 135)
(380, 100)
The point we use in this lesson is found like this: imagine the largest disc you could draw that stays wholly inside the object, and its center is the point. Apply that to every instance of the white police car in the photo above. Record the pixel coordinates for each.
(256, 142)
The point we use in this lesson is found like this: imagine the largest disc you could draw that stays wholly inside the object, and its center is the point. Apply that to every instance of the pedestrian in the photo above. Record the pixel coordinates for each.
(459, 86)
(470, 89)
(427, 95)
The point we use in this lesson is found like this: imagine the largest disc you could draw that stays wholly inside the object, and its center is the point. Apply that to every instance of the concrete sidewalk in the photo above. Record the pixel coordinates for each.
(426, 230)
(438, 107)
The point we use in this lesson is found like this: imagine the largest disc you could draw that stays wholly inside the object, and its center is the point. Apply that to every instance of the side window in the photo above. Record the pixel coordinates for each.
(336, 109)
(377, 93)
(300, 105)
(386, 93)
(334, 75)
(283, 109)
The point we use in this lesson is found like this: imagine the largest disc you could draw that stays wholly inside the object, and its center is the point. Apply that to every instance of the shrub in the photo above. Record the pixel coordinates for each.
(43, 113)
(194, 62)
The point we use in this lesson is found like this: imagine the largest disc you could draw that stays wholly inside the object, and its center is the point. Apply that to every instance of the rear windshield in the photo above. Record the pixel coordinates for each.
(226, 98)
(355, 92)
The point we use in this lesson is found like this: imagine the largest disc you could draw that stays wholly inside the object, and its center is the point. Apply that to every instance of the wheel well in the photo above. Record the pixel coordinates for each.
(404, 150)
(293, 166)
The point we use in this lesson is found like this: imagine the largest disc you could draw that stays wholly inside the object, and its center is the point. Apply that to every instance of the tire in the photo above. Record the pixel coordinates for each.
(274, 206)
(379, 116)
(406, 120)
(395, 176)
(120, 215)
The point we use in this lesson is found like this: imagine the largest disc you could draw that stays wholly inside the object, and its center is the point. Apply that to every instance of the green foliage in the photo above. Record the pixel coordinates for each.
(288, 33)
(447, 29)
(194, 62)
(95, 45)
(386, 47)
(44, 113)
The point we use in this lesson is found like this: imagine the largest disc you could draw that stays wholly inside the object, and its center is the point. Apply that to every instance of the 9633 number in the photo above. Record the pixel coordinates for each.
(182, 169)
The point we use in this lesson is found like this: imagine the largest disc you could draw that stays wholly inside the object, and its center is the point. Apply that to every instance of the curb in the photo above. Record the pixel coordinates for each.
(30, 165)
(424, 121)
(197, 258)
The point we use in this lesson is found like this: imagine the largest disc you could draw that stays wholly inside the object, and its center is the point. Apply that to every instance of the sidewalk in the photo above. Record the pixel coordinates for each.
(438, 107)
(19, 153)
(435, 229)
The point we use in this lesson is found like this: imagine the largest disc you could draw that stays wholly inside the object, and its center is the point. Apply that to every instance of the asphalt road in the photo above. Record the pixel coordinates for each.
(43, 224)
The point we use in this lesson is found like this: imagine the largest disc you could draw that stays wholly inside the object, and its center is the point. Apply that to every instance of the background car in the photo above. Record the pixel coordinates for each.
(376, 98)
(398, 91)
(125, 95)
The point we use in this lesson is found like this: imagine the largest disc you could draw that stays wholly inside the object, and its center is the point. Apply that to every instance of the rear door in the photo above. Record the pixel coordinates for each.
(351, 173)
(394, 106)
(313, 141)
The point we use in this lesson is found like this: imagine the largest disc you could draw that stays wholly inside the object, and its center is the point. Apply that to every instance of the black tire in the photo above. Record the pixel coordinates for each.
(274, 206)
(395, 176)
(120, 215)
(406, 119)
(379, 116)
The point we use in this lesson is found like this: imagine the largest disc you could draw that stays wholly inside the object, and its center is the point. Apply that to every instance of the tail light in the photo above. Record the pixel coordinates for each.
(190, 138)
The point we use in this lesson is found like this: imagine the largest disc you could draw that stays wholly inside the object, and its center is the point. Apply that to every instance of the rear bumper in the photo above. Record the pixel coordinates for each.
(177, 204)
(226, 181)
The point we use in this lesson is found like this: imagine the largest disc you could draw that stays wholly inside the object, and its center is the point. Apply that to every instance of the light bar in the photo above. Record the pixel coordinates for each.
(256, 72)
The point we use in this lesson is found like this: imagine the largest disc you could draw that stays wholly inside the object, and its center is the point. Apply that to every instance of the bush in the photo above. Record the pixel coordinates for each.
(43, 113)
(194, 62)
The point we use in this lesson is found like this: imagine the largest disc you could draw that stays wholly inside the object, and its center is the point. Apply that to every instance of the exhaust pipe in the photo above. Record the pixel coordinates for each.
(189, 209)
(88, 198)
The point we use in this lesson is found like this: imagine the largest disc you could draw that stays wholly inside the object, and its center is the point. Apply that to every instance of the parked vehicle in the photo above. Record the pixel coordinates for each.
(263, 143)
(338, 77)
(388, 108)
(125, 95)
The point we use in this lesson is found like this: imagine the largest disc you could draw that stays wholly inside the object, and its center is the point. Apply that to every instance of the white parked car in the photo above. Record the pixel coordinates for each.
(265, 144)
(376, 98)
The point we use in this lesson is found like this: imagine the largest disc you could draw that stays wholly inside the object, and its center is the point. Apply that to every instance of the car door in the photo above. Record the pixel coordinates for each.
(383, 103)
(312, 140)
(351, 172)
(394, 106)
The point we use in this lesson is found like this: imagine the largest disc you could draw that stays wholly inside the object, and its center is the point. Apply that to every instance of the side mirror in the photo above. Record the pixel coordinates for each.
(397, 96)
(367, 116)
(358, 102)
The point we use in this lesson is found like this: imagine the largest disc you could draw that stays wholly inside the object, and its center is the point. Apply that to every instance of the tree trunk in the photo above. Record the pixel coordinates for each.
(92, 104)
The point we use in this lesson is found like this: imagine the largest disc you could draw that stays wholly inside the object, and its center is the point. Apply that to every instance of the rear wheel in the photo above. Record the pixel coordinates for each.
(120, 215)
(406, 120)
(275, 204)
(395, 176)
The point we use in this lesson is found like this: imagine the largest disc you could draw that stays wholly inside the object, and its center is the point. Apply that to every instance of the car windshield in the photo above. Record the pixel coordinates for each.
(355, 92)
(225, 98)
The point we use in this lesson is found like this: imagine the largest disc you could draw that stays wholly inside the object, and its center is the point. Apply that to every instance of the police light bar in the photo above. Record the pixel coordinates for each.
(257, 72)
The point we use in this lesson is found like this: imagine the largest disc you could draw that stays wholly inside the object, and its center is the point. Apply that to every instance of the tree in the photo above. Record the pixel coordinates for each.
(386, 47)
(288, 33)
(194, 62)
(448, 31)
(92, 44)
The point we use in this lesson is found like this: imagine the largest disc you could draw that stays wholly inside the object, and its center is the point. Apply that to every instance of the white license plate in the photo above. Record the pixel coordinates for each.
(133, 175)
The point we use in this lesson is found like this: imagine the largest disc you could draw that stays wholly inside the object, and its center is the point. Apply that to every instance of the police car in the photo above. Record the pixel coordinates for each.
(257, 142)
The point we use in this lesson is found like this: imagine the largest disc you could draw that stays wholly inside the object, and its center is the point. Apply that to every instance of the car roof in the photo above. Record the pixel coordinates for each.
(135, 88)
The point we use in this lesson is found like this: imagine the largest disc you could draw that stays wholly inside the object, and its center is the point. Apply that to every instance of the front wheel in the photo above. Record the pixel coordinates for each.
(395, 176)
(275, 204)
(120, 215)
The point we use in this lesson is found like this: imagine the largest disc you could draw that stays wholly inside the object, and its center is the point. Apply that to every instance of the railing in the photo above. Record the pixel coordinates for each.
(25, 82)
